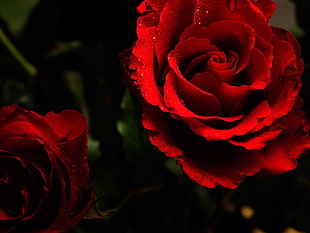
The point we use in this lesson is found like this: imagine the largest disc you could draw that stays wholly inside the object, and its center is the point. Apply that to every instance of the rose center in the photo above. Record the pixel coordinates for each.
(11, 200)
(219, 63)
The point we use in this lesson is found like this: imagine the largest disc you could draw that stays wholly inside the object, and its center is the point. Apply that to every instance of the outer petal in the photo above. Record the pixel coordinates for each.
(143, 59)
(157, 32)
(285, 82)
(241, 128)
(281, 34)
(68, 124)
(244, 11)
(16, 121)
(217, 163)
(258, 140)
(268, 7)
(151, 6)
(74, 168)
(153, 119)
(280, 155)
(175, 16)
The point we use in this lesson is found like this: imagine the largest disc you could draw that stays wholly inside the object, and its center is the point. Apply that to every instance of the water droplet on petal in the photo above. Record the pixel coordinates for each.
(73, 167)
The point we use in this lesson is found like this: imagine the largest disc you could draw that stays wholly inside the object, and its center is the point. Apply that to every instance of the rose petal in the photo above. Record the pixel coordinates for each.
(258, 71)
(256, 141)
(143, 63)
(151, 6)
(280, 155)
(281, 34)
(265, 48)
(65, 123)
(184, 98)
(192, 47)
(25, 180)
(267, 7)
(177, 106)
(74, 160)
(28, 149)
(217, 163)
(244, 126)
(16, 121)
(175, 16)
(142, 60)
(228, 95)
(153, 119)
(284, 87)
(245, 12)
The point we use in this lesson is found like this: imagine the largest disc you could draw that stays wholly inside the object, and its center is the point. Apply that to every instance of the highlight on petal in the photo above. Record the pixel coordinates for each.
(256, 141)
(244, 126)
(143, 59)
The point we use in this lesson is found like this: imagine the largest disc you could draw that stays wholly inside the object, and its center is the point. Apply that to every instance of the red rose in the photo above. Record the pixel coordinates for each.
(220, 87)
(43, 170)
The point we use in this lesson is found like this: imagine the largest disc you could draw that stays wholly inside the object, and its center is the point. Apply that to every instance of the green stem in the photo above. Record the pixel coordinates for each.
(113, 211)
(31, 70)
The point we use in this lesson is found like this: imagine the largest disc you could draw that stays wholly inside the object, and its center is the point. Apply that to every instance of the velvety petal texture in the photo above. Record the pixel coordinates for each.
(219, 87)
(43, 170)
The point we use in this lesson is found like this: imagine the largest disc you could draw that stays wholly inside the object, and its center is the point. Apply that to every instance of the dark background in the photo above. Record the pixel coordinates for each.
(73, 46)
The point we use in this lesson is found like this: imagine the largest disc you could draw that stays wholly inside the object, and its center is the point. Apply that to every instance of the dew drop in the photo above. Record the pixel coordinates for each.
(135, 81)
(73, 167)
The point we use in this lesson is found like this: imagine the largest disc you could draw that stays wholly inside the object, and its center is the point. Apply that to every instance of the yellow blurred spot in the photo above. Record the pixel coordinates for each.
(247, 212)
(256, 230)
(291, 230)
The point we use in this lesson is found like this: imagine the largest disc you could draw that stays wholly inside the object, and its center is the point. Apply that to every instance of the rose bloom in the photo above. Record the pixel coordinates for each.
(43, 170)
(219, 87)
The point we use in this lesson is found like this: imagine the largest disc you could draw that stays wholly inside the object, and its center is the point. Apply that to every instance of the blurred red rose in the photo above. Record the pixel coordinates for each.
(43, 170)
(220, 87)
